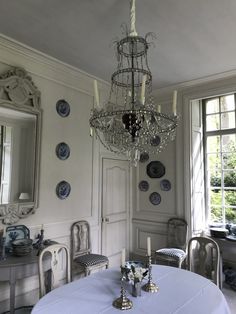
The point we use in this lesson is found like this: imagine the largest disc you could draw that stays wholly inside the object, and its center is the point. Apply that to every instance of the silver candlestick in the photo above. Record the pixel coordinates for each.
(150, 286)
(122, 303)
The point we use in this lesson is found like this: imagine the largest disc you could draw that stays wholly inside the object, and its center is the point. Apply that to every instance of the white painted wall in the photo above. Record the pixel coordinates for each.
(57, 81)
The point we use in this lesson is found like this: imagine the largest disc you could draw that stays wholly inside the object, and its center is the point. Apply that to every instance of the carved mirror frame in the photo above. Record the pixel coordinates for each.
(18, 92)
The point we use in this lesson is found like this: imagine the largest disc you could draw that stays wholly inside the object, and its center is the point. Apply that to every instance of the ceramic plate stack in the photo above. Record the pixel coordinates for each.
(22, 247)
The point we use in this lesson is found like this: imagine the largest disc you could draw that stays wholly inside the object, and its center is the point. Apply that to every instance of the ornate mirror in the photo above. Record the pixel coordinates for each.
(20, 128)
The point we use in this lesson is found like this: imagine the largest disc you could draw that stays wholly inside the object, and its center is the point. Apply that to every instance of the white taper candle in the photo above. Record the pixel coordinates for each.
(159, 108)
(174, 105)
(123, 257)
(142, 96)
(148, 246)
(96, 95)
(4, 232)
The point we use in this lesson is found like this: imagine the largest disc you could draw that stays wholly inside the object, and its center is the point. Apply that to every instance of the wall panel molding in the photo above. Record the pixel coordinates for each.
(142, 230)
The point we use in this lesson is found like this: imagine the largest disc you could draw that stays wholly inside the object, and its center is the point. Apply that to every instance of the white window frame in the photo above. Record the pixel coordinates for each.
(184, 138)
(206, 134)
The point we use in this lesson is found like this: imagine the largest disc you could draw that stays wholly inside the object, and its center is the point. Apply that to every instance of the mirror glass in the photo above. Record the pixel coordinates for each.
(20, 131)
(17, 156)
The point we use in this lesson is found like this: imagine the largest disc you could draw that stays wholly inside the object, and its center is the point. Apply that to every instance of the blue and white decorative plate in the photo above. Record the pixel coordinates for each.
(165, 185)
(62, 151)
(63, 190)
(63, 108)
(155, 198)
(143, 186)
(155, 169)
(15, 233)
(128, 264)
(144, 157)
(155, 141)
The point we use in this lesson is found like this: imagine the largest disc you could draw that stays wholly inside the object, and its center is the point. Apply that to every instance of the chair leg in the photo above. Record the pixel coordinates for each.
(87, 272)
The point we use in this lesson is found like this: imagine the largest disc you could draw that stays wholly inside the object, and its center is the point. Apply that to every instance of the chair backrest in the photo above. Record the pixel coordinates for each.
(80, 239)
(204, 258)
(51, 262)
(177, 233)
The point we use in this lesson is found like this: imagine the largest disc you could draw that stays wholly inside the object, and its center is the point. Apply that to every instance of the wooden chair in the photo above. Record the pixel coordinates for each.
(204, 258)
(52, 259)
(81, 257)
(175, 252)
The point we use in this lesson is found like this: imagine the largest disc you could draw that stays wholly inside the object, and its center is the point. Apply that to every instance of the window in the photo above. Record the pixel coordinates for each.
(219, 133)
(5, 161)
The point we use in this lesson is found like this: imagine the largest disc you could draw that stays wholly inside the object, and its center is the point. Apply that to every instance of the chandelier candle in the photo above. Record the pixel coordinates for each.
(96, 95)
(174, 102)
(142, 97)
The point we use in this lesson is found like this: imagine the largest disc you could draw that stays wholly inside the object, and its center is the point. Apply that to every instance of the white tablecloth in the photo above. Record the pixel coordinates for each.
(180, 291)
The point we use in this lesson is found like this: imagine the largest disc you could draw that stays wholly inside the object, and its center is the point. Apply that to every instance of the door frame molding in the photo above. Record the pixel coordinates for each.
(109, 155)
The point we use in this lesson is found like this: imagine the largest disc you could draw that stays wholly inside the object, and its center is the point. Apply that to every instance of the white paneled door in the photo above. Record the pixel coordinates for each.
(115, 208)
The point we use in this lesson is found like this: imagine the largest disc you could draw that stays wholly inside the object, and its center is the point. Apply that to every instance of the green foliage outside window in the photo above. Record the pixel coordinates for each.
(229, 194)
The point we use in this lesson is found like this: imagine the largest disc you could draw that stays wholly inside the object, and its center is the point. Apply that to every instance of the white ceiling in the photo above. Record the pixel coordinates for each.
(195, 38)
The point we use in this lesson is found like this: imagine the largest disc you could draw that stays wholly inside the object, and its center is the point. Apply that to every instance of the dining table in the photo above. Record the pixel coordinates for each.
(179, 291)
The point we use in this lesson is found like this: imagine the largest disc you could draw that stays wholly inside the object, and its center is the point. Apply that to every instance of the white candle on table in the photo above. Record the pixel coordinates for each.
(159, 108)
(174, 105)
(96, 95)
(148, 246)
(142, 96)
(123, 257)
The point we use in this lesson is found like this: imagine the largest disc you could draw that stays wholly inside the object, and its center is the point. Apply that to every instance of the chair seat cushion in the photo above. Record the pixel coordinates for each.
(89, 260)
(176, 254)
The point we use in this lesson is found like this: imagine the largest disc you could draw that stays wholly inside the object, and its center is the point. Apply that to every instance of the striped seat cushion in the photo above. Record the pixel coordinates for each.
(174, 253)
(91, 260)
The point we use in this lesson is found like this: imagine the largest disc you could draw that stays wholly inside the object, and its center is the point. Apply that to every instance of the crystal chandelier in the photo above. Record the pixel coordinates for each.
(130, 123)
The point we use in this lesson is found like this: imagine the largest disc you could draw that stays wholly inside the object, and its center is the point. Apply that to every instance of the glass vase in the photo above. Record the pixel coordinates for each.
(136, 289)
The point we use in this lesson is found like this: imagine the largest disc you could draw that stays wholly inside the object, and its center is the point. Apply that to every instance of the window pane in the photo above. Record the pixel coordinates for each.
(228, 143)
(213, 144)
(215, 179)
(228, 120)
(230, 215)
(216, 197)
(213, 122)
(230, 197)
(214, 162)
(229, 161)
(216, 214)
(212, 105)
(227, 103)
(229, 178)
